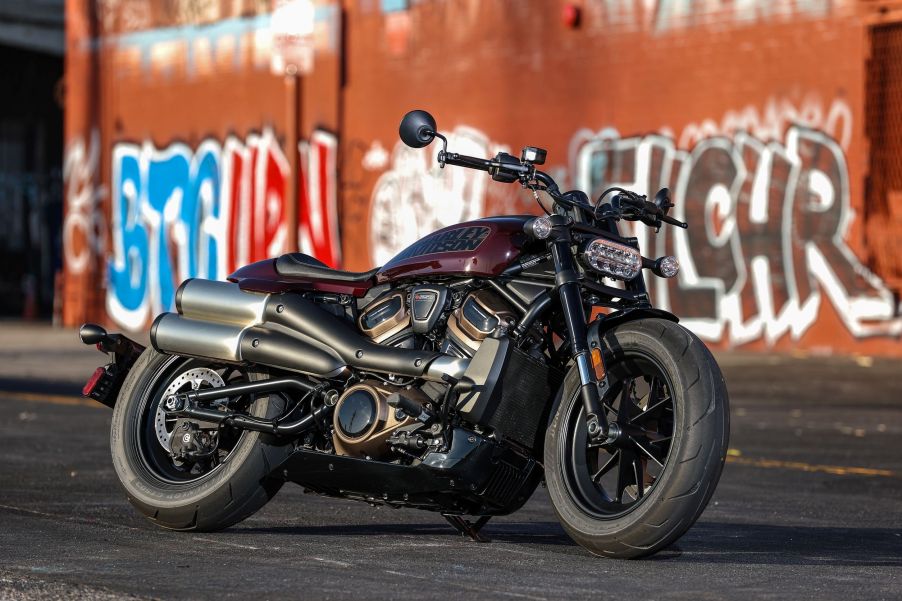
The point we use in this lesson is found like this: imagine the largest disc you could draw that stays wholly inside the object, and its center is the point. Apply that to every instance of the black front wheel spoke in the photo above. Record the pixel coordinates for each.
(618, 473)
(625, 473)
(625, 409)
(647, 452)
(664, 403)
(610, 463)
(639, 471)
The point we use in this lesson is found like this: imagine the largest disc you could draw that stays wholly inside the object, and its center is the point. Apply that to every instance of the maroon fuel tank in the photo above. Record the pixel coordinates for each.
(483, 248)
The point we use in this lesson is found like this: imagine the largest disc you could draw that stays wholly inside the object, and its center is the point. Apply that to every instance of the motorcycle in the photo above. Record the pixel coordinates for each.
(484, 359)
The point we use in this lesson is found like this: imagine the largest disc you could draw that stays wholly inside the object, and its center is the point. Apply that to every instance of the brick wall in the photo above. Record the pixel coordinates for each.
(768, 121)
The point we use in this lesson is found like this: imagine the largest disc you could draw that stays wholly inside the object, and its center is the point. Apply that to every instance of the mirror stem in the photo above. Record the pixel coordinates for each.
(443, 151)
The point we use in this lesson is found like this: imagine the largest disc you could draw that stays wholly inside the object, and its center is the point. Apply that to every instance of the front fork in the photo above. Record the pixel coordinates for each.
(567, 280)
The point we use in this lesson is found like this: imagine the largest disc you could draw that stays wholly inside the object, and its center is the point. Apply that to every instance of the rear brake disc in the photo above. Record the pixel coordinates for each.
(193, 379)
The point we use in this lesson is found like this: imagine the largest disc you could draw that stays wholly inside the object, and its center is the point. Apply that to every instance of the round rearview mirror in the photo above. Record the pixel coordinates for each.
(417, 129)
(662, 200)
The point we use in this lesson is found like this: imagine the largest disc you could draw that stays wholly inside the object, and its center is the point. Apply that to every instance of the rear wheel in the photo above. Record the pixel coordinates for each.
(640, 493)
(225, 476)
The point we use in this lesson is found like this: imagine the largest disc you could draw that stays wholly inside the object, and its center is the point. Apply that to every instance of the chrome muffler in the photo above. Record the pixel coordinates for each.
(224, 302)
(172, 333)
(179, 335)
(211, 322)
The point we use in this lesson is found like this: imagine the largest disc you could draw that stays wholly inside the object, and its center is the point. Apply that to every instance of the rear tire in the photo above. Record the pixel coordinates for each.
(696, 429)
(233, 490)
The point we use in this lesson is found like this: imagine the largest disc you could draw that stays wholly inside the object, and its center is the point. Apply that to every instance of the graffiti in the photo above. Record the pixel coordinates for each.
(767, 231)
(375, 158)
(318, 209)
(415, 196)
(84, 225)
(773, 119)
(179, 213)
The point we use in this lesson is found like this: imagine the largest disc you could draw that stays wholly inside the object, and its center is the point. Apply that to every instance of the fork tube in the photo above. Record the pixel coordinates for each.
(567, 280)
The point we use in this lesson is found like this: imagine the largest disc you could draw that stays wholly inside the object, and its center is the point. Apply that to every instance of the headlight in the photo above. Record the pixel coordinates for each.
(613, 259)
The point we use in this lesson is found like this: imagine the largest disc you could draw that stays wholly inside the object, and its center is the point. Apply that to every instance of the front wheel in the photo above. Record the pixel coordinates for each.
(640, 493)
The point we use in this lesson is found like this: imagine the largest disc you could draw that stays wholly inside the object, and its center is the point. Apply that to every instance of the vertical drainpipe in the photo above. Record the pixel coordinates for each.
(292, 125)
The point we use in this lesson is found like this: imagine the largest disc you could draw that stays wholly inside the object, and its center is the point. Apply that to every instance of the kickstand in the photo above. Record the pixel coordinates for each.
(468, 528)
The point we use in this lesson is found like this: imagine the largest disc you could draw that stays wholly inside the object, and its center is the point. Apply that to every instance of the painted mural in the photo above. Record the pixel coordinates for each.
(180, 212)
(84, 224)
(661, 16)
(775, 250)
(414, 197)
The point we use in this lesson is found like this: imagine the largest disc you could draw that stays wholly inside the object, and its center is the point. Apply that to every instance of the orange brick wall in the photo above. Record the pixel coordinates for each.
(760, 117)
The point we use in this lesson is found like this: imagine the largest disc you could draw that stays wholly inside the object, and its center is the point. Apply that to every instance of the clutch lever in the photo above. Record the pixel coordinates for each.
(636, 208)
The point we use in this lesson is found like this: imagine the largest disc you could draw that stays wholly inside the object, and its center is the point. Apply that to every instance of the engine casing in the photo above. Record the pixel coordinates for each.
(363, 419)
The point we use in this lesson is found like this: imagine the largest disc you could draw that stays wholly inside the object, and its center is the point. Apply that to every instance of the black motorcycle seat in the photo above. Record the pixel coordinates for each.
(299, 265)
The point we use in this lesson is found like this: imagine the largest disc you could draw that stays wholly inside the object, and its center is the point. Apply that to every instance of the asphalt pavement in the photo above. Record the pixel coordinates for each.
(809, 507)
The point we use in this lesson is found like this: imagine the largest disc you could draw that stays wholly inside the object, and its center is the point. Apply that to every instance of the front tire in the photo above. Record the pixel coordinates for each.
(639, 495)
(177, 499)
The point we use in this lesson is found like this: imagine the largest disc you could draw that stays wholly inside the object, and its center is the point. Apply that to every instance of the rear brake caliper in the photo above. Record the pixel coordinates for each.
(190, 444)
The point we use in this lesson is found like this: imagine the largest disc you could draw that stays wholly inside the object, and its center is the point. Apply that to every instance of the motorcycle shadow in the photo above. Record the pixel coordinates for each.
(770, 544)
(705, 543)
(532, 533)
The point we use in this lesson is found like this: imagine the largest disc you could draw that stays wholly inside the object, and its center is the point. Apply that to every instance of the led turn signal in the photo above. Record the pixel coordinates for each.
(597, 363)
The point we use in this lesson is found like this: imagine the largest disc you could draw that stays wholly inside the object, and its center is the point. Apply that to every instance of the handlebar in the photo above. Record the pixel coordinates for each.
(462, 160)
(504, 167)
(507, 168)
(676, 222)
(645, 211)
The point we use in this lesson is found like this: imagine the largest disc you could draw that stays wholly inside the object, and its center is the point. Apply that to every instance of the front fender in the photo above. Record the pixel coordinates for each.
(603, 323)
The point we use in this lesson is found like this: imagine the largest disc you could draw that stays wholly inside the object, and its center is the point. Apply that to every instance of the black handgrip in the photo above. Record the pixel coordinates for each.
(626, 199)
(504, 167)
(462, 160)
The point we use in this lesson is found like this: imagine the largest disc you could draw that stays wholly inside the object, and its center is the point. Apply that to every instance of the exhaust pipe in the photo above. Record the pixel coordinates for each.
(209, 300)
(219, 320)
(175, 334)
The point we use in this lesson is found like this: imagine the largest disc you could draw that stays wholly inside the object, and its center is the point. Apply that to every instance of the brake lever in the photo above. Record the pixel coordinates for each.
(676, 222)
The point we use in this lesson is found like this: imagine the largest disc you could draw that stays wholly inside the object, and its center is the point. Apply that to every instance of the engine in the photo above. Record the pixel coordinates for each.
(480, 314)
(452, 321)
(456, 322)
(364, 420)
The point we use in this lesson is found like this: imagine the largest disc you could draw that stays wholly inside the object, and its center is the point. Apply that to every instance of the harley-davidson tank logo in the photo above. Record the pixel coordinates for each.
(459, 239)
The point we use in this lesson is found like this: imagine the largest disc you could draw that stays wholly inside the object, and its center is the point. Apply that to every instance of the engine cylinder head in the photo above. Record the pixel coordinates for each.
(480, 314)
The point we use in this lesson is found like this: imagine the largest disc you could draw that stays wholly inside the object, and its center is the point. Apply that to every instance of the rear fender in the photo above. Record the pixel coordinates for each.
(104, 384)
